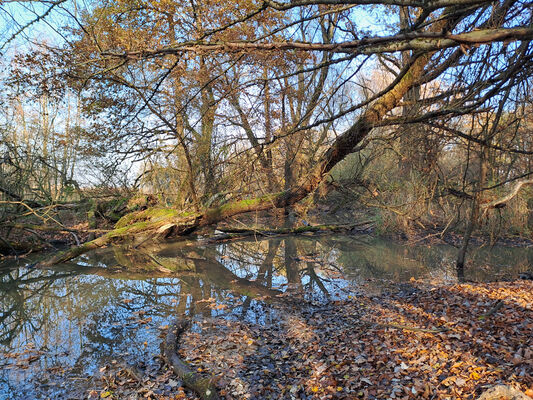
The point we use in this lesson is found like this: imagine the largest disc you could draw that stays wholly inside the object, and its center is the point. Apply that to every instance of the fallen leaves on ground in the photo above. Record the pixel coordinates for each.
(414, 341)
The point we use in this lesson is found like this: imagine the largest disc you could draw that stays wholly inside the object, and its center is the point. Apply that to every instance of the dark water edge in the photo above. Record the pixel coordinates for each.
(59, 327)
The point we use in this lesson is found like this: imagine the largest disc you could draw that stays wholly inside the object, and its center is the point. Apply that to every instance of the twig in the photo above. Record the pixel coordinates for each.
(440, 329)
(75, 238)
(493, 310)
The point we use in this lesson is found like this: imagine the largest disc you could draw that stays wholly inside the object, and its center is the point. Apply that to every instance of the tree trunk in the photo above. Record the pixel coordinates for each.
(203, 386)
(474, 215)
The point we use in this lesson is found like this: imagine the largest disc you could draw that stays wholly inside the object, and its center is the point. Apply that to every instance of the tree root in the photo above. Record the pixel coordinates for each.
(203, 386)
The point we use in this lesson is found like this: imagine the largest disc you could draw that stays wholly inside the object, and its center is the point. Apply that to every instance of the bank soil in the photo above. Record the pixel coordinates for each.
(410, 341)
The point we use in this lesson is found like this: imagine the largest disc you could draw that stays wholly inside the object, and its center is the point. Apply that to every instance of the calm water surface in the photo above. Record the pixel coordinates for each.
(59, 327)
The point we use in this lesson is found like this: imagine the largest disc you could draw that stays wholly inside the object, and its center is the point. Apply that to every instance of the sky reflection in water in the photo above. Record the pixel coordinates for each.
(59, 327)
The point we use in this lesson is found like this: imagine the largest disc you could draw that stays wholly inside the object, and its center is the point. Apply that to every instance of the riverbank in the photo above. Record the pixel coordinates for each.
(403, 341)
(70, 228)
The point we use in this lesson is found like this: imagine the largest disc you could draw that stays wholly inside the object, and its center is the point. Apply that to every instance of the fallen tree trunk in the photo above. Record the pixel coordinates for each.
(191, 379)
(48, 228)
(136, 228)
(239, 233)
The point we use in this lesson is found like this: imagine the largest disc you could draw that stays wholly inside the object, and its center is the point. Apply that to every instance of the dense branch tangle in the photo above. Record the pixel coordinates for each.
(261, 82)
(429, 5)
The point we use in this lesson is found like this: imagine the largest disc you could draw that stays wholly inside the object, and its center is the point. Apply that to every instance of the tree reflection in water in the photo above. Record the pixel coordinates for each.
(59, 326)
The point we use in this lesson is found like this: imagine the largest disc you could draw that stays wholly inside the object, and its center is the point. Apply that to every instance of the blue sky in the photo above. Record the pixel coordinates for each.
(17, 19)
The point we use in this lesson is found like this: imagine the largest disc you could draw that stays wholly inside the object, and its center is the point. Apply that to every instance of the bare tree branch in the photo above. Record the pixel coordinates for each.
(415, 41)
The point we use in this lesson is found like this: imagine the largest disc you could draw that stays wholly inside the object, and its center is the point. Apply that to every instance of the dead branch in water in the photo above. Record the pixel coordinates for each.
(238, 233)
(203, 386)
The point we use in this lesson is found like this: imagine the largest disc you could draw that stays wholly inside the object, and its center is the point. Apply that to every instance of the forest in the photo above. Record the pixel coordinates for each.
(266, 185)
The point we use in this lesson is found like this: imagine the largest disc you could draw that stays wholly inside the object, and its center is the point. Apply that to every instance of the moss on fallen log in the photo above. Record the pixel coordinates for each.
(153, 215)
(157, 222)
(133, 228)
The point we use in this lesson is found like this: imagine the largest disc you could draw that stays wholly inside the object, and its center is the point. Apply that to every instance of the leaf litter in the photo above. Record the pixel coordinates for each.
(411, 341)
